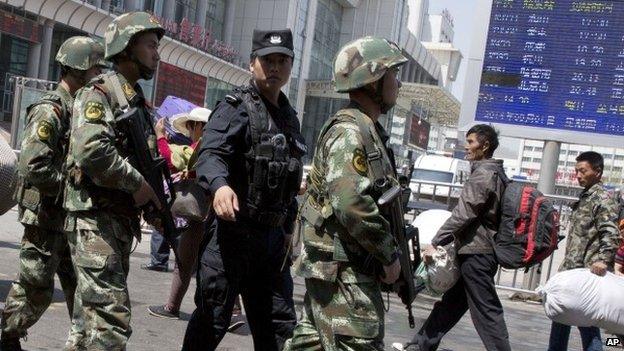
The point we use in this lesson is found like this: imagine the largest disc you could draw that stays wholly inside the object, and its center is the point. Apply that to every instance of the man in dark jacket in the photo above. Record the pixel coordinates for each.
(472, 226)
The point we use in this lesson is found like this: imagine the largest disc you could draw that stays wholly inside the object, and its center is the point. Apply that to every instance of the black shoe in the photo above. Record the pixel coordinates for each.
(10, 344)
(153, 267)
(235, 323)
(162, 312)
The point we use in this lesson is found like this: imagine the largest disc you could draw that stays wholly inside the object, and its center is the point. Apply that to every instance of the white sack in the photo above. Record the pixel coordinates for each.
(428, 224)
(580, 298)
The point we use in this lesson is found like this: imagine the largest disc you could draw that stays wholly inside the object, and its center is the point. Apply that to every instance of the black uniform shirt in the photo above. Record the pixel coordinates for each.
(226, 140)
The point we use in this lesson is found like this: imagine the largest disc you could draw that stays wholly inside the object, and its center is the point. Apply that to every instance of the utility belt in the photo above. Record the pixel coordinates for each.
(271, 219)
(318, 217)
(112, 201)
(31, 198)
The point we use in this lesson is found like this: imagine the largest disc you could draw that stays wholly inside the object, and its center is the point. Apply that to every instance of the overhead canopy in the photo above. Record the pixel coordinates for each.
(442, 107)
(421, 55)
(92, 20)
(440, 103)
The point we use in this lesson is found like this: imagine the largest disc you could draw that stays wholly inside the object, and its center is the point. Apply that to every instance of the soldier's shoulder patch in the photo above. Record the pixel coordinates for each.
(129, 91)
(359, 162)
(44, 130)
(93, 111)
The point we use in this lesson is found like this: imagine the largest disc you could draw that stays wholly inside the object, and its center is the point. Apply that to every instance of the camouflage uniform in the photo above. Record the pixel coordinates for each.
(593, 234)
(342, 226)
(44, 249)
(98, 197)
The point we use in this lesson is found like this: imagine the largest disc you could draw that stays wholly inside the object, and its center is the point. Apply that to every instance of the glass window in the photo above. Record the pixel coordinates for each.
(299, 40)
(326, 39)
(217, 90)
(185, 9)
(14, 58)
(432, 176)
(215, 18)
(154, 6)
(19, 56)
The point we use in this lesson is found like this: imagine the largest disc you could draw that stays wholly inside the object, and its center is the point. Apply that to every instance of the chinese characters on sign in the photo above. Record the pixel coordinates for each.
(181, 83)
(20, 27)
(556, 64)
(195, 36)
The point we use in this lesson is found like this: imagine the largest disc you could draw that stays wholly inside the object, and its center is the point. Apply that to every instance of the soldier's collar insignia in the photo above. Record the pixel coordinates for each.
(153, 20)
(129, 91)
(44, 130)
(359, 162)
(94, 111)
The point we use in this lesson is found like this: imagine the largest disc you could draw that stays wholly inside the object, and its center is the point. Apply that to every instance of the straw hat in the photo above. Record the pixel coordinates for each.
(198, 114)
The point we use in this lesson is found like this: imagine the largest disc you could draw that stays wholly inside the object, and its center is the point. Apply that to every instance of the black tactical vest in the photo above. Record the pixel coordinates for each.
(273, 162)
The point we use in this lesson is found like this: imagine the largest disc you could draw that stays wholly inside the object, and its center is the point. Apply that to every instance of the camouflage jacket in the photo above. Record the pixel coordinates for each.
(342, 225)
(593, 234)
(102, 175)
(43, 151)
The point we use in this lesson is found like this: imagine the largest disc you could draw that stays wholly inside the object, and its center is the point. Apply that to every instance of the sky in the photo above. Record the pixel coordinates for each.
(462, 12)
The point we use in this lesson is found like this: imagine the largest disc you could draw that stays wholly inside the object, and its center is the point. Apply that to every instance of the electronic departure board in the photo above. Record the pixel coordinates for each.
(554, 64)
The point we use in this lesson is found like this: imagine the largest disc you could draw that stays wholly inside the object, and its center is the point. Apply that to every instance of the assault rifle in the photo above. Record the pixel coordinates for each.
(390, 205)
(153, 169)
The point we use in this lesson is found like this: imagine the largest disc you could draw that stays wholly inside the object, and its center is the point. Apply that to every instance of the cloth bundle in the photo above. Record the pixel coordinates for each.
(580, 298)
(441, 274)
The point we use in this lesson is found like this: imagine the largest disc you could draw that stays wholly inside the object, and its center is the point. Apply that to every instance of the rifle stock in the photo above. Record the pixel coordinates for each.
(390, 205)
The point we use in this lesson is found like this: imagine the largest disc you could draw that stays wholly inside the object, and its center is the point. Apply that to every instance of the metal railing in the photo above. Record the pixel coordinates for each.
(513, 280)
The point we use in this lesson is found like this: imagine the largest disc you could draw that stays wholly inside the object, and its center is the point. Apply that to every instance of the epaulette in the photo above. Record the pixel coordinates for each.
(233, 100)
(51, 100)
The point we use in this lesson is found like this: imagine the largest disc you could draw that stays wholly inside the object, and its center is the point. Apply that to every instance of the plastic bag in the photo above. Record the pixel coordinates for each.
(580, 298)
(441, 274)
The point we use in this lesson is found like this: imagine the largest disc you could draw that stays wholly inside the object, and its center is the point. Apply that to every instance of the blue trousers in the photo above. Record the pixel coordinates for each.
(159, 250)
(560, 335)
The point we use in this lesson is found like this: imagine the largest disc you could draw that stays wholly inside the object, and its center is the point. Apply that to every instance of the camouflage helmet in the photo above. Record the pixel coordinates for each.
(123, 28)
(364, 61)
(81, 53)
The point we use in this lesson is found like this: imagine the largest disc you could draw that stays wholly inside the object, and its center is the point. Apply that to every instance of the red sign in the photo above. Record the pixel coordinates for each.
(20, 27)
(419, 132)
(181, 83)
(197, 37)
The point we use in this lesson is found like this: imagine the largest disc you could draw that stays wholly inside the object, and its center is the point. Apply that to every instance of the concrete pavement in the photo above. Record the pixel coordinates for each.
(528, 327)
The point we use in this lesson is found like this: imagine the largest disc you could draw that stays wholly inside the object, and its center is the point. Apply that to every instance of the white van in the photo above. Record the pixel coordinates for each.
(438, 169)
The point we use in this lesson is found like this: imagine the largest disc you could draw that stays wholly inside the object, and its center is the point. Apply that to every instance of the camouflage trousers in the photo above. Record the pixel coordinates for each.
(42, 254)
(339, 316)
(100, 246)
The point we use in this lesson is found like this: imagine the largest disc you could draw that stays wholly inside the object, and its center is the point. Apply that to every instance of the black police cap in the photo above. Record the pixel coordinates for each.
(266, 42)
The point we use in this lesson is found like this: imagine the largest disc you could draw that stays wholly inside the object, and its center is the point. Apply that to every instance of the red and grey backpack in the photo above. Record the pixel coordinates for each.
(529, 227)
